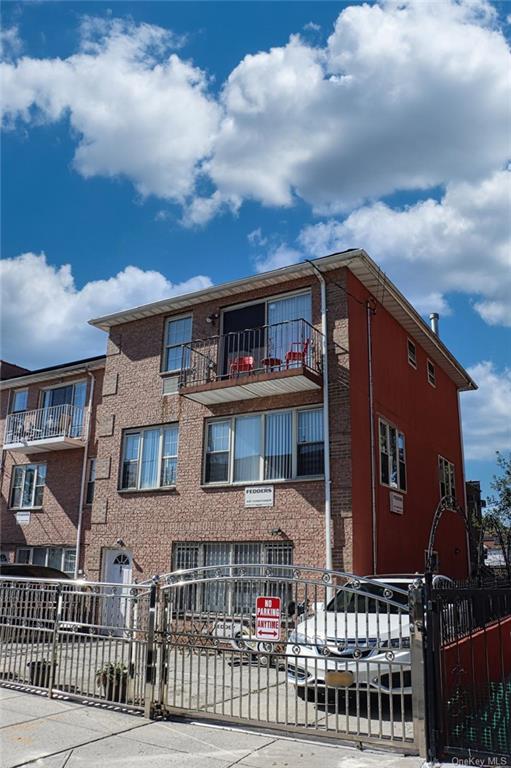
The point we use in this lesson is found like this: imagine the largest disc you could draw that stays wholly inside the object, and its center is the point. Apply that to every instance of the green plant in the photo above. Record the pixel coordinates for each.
(111, 673)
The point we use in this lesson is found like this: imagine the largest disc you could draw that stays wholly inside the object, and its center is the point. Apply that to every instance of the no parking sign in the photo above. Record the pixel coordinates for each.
(267, 618)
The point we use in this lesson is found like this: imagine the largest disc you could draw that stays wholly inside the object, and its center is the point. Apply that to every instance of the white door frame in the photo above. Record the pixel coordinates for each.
(115, 613)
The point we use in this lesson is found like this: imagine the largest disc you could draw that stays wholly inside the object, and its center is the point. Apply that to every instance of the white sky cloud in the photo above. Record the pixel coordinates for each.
(138, 111)
(399, 98)
(404, 96)
(11, 44)
(486, 413)
(44, 315)
(462, 243)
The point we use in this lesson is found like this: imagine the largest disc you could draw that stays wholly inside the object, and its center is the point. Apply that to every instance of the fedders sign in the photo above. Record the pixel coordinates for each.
(259, 496)
(267, 618)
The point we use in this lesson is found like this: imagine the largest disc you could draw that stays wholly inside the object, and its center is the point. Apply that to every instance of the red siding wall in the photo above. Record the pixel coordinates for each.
(428, 416)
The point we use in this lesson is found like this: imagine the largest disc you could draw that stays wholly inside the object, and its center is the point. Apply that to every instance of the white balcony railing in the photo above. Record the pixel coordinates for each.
(57, 421)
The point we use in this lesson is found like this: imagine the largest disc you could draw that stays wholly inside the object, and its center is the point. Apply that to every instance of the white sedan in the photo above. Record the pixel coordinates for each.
(358, 641)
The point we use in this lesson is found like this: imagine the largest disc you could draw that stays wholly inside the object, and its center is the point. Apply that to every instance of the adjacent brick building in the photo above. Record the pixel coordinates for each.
(49, 448)
(214, 402)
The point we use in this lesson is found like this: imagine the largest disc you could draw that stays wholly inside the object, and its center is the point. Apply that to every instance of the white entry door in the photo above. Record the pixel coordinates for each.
(117, 570)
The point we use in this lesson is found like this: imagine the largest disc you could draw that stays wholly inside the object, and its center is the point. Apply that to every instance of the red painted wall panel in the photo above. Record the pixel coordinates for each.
(428, 417)
(478, 659)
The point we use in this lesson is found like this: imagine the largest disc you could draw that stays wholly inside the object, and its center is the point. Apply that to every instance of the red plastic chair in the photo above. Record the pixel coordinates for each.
(298, 355)
(241, 365)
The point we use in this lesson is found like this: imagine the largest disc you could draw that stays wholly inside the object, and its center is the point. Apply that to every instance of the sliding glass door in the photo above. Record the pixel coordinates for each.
(71, 394)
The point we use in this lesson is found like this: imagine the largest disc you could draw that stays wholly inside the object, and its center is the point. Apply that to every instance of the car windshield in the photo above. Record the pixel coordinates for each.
(347, 601)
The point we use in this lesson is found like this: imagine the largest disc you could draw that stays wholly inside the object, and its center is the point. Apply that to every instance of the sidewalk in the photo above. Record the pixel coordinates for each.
(57, 733)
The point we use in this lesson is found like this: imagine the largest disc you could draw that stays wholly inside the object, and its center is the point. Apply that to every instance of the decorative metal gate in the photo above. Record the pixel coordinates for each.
(468, 661)
(320, 652)
(285, 647)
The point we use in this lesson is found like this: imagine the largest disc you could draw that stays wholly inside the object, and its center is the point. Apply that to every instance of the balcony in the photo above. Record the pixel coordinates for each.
(46, 429)
(270, 360)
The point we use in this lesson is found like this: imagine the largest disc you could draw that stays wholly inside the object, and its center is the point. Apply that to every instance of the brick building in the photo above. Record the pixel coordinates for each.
(49, 450)
(224, 432)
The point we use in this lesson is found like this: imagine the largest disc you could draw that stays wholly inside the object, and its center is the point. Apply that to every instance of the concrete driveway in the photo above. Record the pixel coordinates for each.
(59, 733)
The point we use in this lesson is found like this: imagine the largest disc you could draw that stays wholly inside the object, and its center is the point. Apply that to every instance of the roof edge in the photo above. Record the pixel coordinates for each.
(55, 372)
(391, 288)
(164, 305)
(347, 259)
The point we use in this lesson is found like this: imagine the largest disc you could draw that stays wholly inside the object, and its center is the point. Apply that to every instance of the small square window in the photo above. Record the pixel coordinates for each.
(431, 374)
(412, 354)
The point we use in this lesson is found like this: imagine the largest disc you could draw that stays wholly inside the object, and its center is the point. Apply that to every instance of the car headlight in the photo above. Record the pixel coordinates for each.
(399, 642)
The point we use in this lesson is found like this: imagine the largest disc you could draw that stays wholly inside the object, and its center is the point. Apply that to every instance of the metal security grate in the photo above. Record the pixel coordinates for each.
(237, 597)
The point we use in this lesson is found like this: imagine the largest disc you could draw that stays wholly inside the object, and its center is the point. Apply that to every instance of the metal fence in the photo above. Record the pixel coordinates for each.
(267, 349)
(468, 657)
(287, 647)
(79, 638)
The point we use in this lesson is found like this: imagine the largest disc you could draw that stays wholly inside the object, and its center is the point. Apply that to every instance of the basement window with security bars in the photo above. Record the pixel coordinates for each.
(277, 445)
(149, 458)
(234, 596)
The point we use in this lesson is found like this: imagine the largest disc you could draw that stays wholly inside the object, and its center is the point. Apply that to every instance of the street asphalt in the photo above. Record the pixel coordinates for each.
(59, 733)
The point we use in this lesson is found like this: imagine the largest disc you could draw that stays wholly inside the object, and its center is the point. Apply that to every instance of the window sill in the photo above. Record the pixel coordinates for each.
(292, 481)
(393, 488)
(166, 489)
(25, 509)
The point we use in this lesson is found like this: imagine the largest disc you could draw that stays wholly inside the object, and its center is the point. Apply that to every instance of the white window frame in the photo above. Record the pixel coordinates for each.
(400, 480)
(23, 468)
(159, 460)
(412, 358)
(446, 476)
(63, 550)
(166, 347)
(14, 394)
(91, 468)
(431, 372)
(232, 429)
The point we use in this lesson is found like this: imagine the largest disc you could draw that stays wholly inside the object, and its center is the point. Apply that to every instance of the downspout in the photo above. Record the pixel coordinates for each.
(326, 421)
(374, 529)
(84, 476)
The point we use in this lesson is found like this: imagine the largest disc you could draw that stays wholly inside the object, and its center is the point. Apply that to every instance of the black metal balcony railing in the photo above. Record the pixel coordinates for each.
(293, 344)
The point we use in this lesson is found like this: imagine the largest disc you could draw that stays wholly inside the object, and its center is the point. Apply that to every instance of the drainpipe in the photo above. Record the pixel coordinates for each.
(84, 476)
(326, 422)
(374, 528)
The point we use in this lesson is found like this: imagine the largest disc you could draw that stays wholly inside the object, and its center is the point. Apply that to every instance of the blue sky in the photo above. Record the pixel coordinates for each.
(156, 147)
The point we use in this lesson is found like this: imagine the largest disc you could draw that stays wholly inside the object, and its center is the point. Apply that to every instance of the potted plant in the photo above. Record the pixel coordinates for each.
(113, 680)
(40, 672)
